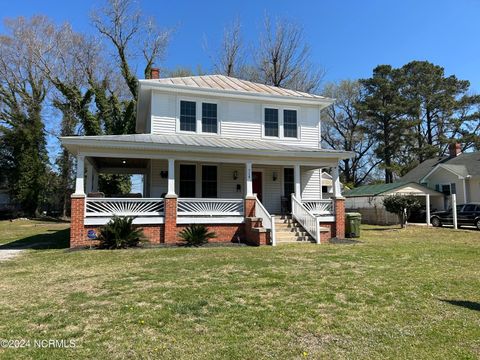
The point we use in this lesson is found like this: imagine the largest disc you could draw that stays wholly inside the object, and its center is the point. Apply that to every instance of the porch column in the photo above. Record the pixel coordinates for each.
(79, 182)
(296, 176)
(171, 177)
(427, 207)
(248, 179)
(77, 228)
(321, 183)
(337, 191)
(338, 205)
(89, 184)
(95, 180)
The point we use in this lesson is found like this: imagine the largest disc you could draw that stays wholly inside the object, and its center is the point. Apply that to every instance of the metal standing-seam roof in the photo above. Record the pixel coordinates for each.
(227, 83)
(197, 141)
(374, 190)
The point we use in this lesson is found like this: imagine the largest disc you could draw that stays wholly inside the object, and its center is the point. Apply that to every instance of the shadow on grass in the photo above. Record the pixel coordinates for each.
(55, 239)
(376, 229)
(472, 305)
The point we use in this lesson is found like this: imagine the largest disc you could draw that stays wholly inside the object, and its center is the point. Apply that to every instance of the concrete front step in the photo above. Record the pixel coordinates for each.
(308, 241)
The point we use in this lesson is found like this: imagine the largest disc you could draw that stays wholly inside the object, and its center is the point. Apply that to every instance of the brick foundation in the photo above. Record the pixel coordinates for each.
(339, 208)
(326, 235)
(226, 233)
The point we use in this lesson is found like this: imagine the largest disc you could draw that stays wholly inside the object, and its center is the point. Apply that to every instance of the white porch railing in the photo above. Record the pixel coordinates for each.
(268, 221)
(305, 217)
(103, 207)
(319, 207)
(209, 207)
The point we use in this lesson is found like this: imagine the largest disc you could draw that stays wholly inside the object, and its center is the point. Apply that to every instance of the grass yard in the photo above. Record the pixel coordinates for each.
(398, 294)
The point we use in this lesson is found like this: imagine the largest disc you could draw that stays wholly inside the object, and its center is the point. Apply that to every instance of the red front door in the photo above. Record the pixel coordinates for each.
(257, 184)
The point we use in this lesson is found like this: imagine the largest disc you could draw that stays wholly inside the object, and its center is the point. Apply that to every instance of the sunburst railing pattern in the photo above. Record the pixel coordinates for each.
(209, 207)
(124, 207)
(319, 207)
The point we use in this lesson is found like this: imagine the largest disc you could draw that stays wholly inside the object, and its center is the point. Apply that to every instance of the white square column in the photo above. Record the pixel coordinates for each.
(296, 177)
(337, 191)
(248, 179)
(80, 177)
(171, 177)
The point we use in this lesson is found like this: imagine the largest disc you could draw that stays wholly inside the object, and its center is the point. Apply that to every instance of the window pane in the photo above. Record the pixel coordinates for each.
(188, 116)
(187, 180)
(209, 181)
(271, 122)
(209, 118)
(288, 182)
(469, 208)
(290, 123)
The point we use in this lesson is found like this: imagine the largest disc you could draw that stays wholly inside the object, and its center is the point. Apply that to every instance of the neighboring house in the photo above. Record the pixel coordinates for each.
(368, 200)
(457, 173)
(215, 150)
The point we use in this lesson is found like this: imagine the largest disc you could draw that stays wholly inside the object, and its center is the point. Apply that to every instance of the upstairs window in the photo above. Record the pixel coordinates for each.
(209, 118)
(209, 181)
(188, 116)
(271, 122)
(290, 123)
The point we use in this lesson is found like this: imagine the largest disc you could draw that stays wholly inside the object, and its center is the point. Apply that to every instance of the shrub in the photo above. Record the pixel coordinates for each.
(196, 235)
(402, 206)
(120, 233)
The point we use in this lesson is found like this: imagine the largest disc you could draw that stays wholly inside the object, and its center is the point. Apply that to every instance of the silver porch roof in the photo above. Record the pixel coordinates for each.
(197, 143)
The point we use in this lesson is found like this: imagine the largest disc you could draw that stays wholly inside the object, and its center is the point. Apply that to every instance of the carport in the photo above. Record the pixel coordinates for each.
(368, 200)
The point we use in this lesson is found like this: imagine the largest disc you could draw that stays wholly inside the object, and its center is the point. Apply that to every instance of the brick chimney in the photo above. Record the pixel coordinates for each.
(454, 149)
(155, 73)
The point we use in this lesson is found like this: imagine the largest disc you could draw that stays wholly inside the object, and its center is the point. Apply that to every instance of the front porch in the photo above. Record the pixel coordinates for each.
(235, 196)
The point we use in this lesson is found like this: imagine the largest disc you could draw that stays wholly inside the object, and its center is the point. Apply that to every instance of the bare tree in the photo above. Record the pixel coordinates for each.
(23, 89)
(123, 25)
(343, 129)
(283, 57)
(230, 57)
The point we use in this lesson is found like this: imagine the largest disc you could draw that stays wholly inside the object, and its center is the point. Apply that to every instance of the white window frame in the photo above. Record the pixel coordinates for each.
(281, 134)
(198, 115)
(297, 110)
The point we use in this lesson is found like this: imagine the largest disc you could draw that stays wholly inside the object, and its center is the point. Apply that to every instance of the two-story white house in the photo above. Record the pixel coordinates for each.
(235, 155)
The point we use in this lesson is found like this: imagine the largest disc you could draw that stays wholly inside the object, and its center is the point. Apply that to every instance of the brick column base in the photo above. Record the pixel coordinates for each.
(77, 228)
(170, 216)
(249, 207)
(339, 208)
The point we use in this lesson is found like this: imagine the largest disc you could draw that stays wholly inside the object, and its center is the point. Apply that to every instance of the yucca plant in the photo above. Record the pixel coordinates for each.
(196, 235)
(120, 233)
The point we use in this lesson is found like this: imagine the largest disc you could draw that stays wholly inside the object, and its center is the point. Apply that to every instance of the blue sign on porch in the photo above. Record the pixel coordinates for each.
(91, 234)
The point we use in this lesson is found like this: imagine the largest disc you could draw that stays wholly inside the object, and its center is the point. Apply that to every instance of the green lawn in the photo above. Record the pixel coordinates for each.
(398, 294)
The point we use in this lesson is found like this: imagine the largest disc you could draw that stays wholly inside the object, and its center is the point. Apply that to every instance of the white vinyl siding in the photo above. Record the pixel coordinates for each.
(310, 183)
(164, 111)
(236, 119)
(158, 186)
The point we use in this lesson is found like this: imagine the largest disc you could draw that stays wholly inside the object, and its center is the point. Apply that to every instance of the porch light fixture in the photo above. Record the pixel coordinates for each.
(163, 174)
(274, 176)
(124, 162)
(235, 175)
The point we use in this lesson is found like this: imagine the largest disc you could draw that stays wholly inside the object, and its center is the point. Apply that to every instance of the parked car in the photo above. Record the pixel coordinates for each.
(467, 214)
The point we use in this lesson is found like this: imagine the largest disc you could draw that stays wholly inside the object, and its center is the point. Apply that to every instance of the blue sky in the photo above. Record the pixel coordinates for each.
(347, 38)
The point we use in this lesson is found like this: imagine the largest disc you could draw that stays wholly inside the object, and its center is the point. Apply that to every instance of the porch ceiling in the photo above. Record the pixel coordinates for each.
(108, 162)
